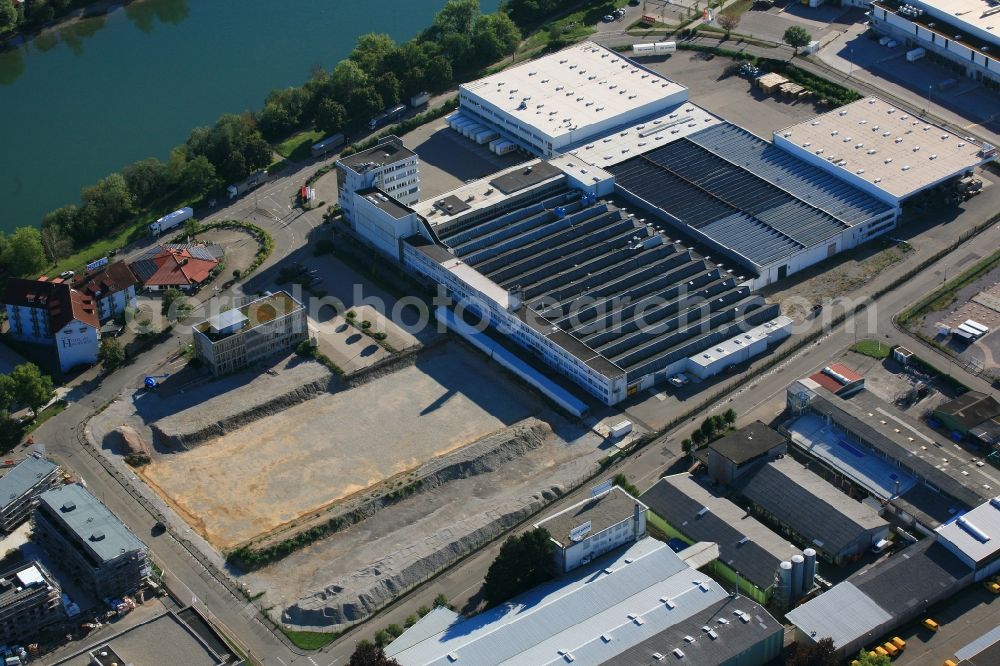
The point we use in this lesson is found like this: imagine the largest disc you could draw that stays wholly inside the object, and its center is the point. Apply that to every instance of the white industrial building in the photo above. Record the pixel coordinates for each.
(571, 96)
(389, 166)
(963, 32)
(883, 150)
(974, 538)
(643, 606)
(595, 526)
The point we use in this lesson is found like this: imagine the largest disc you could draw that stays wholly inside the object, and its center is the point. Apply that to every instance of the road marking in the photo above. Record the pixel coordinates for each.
(312, 661)
(280, 659)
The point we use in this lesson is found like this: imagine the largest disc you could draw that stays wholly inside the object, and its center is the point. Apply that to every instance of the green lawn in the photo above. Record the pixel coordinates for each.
(873, 348)
(298, 146)
(573, 27)
(310, 640)
(737, 8)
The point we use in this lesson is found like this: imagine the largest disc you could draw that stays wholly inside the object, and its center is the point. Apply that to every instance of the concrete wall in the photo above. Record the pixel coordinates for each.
(381, 229)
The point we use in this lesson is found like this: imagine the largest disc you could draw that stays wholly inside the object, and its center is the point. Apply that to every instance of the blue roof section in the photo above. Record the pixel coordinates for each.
(750, 238)
(93, 524)
(818, 188)
(23, 477)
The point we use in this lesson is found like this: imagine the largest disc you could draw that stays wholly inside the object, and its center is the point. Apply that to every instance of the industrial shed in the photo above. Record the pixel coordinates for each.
(749, 551)
(757, 204)
(815, 512)
(881, 597)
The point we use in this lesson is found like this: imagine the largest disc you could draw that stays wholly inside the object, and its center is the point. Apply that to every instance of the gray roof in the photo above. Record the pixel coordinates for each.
(970, 409)
(808, 504)
(433, 623)
(594, 614)
(384, 202)
(389, 151)
(843, 613)
(519, 179)
(739, 624)
(884, 595)
(601, 512)
(95, 526)
(745, 545)
(757, 200)
(748, 442)
(164, 640)
(23, 477)
(22, 582)
(226, 319)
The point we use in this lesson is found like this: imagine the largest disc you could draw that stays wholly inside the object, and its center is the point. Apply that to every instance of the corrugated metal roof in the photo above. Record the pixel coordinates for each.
(433, 623)
(592, 615)
(844, 613)
(809, 504)
(975, 533)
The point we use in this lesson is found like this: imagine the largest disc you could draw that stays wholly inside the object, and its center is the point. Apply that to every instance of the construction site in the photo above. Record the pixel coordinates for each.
(456, 453)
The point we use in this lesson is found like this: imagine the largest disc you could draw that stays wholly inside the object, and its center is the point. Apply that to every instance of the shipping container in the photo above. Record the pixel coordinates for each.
(326, 145)
(171, 220)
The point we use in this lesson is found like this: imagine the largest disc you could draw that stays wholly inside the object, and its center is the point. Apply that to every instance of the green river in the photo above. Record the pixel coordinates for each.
(93, 95)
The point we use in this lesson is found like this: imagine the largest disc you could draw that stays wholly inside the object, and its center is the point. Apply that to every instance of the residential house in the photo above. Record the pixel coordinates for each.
(50, 312)
(112, 288)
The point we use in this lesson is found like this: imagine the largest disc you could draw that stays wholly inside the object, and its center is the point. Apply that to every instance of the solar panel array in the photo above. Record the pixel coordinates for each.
(610, 281)
(746, 194)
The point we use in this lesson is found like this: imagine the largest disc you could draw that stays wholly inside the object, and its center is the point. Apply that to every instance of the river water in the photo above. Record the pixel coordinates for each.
(91, 96)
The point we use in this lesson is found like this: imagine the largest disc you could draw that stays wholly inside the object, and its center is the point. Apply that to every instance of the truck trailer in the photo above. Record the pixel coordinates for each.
(915, 54)
(390, 116)
(420, 99)
(253, 181)
(326, 145)
(171, 220)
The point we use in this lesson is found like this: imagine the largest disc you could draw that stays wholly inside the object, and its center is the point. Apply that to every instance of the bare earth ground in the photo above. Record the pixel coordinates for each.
(342, 579)
(267, 473)
(239, 246)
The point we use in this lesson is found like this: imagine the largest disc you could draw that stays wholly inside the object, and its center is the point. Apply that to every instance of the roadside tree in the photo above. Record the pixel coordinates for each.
(495, 36)
(31, 386)
(524, 561)
(146, 180)
(367, 654)
(111, 354)
(728, 22)
(797, 37)
(198, 177)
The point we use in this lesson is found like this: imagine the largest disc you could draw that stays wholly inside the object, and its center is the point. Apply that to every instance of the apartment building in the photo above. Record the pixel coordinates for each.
(29, 602)
(90, 543)
(21, 485)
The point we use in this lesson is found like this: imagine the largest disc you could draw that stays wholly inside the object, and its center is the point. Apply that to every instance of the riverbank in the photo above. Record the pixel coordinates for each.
(28, 30)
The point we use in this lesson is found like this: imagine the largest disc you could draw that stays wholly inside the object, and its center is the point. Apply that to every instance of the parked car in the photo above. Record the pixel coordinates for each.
(679, 380)
(608, 18)
(881, 546)
(65, 275)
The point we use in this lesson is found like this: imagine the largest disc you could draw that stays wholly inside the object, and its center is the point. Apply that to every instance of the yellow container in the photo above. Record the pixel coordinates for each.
(881, 651)
(930, 624)
(899, 643)
(891, 649)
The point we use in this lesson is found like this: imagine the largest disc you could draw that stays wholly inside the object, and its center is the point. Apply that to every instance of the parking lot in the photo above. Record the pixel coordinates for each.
(962, 619)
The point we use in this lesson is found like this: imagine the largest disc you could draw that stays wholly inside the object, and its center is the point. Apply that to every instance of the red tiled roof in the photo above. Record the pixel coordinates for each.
(179, 268)
(110, 280)
(62, 303)
(831, 384)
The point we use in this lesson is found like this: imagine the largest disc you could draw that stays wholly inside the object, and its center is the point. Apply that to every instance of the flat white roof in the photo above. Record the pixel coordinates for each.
(675, 123)
(982, 14)
(576, 87)
(975, 533)
(737, 343)
(478, 281)
(873, 140)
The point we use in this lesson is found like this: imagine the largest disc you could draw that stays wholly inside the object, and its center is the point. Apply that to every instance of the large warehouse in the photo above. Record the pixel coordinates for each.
(572, 275)
(574, 95)
(882, 150)
(962, 32)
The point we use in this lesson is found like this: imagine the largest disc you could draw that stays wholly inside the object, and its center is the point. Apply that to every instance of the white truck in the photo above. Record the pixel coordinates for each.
(420, 99)
(171, 220)
(252, 181)
(915, 54)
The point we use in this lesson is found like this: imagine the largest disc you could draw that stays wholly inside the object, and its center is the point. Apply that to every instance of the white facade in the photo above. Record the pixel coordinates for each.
(77, 343)
(269, 325)
(595, 526)
(115, 304)
(580, 93)
(388, 166)
(975, 19)
(739, 348)
(381, 227)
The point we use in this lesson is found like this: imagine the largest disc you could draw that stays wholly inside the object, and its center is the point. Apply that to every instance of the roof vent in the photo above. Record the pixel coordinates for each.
(678, 653)
(68, 506)
(97, 536)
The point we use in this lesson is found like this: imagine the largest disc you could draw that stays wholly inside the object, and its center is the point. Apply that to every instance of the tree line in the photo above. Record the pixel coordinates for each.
(377, 74)
(24, 386)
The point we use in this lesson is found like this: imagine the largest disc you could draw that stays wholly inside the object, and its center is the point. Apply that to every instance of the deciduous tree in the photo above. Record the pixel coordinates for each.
(112, 354)
(523, 562)
(797, 37)
(24, 253)
(31, 386)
